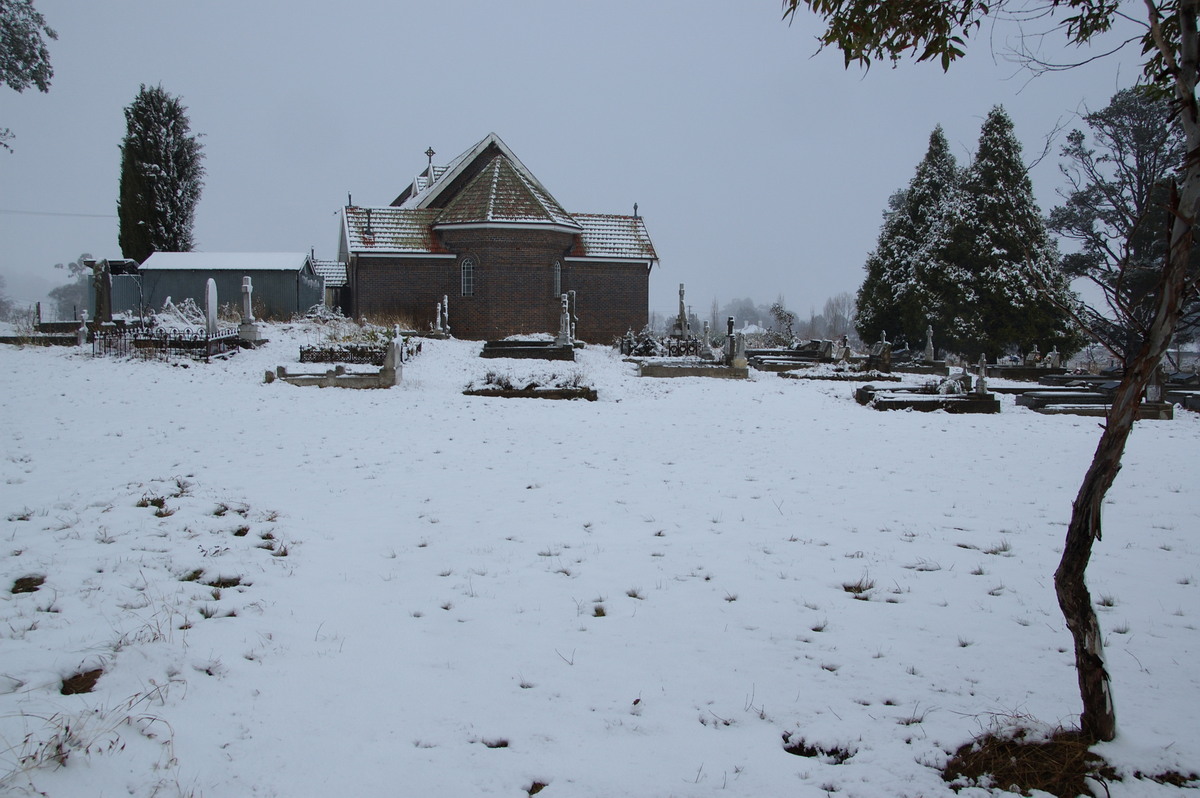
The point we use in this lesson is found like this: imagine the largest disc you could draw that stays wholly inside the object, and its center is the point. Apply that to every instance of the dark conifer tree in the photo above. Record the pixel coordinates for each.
(161, 176)
(1014, 292)
(907, 287)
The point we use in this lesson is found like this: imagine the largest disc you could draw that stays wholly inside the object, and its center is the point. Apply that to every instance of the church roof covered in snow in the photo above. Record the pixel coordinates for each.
(486, 186)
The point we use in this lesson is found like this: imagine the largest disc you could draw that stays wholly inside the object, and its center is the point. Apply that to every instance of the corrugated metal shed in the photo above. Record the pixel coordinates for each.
(284, 283)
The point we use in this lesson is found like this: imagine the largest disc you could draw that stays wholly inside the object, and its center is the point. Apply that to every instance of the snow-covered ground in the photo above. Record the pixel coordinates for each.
(411, 592)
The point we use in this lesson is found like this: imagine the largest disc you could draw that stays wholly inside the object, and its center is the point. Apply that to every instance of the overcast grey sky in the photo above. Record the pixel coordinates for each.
(760, 169)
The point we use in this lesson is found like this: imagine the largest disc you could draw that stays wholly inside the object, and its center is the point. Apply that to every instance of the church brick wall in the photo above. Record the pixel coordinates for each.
(514, 287)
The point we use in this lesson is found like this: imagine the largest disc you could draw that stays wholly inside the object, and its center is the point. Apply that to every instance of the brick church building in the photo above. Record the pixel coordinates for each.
(484, 232)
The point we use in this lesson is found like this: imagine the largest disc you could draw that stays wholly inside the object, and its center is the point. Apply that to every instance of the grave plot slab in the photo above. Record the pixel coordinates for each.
(693, 370)
(921, 400)
(1148, 411)
(535, 350)
(587, 394)
(836, 376)
(1036, 400)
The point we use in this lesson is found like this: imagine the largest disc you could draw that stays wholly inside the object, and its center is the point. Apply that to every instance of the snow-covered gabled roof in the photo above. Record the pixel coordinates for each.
(613, 236)
(226, 261)
(389, 229)
(432, 194)
(501, 194)
(332, 271)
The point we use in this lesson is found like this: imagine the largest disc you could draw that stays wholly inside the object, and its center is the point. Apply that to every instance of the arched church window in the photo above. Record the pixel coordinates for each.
(468, 276)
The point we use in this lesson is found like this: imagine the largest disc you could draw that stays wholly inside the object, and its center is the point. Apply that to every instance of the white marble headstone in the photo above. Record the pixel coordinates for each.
(210, 307)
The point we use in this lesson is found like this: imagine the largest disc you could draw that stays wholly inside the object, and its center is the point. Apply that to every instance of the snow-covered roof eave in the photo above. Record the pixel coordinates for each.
(228, 261)
(399, 253)
(541, 225)
(602, 258)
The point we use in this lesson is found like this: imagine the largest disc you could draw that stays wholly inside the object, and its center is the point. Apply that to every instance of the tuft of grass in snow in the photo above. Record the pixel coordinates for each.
(1025, 760)
(28, 584)
(858, 588)
(1003, 547)
(831, 754)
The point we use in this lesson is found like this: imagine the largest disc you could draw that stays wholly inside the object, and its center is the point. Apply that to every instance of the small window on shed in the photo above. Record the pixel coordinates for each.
(468, 276)
(557, 279)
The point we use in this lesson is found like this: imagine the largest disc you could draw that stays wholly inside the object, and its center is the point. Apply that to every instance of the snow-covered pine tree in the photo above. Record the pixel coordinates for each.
(161, 173)
(907, 286)
(1016, 291)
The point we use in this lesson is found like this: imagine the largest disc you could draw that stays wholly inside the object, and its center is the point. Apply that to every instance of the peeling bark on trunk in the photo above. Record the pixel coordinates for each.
(1098, 720)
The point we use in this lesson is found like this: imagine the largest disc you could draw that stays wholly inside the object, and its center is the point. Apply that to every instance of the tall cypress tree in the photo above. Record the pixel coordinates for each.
(1015, 290)
(161, 176)
(907, 286)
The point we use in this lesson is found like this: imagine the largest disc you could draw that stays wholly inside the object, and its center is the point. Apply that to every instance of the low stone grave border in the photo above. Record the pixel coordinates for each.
(693, 370)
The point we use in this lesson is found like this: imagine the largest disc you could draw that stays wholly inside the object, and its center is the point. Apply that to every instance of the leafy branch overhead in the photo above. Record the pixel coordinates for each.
(935, 31)
(24, 57)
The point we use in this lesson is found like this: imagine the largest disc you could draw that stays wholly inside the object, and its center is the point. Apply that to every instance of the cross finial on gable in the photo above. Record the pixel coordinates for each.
(429, 153)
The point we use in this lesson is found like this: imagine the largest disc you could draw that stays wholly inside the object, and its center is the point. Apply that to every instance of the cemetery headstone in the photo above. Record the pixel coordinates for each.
(102, 280)
(739, 353)
(389, 375)
(574, 314)
(564, 323)
(210, 308)
(247, 299)
(929, 344)
(249, 331)
(681, 321)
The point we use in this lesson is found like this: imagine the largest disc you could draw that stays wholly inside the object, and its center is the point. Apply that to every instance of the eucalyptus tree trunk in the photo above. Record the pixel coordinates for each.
(1099, 721)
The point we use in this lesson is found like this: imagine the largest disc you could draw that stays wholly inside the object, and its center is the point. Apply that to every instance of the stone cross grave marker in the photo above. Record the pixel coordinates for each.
(247, 300)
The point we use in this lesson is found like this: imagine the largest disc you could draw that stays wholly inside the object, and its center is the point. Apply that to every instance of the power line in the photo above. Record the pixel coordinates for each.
(51, 213)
